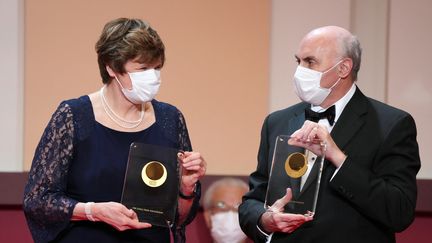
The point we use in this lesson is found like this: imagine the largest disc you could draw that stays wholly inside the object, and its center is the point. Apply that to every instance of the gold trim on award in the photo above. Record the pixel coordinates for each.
(154, 174)
(296, 165)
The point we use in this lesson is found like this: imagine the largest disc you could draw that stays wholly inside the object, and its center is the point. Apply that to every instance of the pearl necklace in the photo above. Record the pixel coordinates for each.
(118, 119)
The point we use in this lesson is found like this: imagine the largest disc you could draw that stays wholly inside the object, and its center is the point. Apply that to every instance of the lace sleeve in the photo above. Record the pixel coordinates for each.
(183, 135)
(185, 144)
(46, 206)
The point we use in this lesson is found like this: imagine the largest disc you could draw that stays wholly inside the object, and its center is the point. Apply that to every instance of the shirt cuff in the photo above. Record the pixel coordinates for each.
(268, 236)
(337, 170)
(262, 232)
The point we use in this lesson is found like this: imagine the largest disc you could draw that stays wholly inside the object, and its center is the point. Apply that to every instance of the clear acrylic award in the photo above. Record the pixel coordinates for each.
(290, 166)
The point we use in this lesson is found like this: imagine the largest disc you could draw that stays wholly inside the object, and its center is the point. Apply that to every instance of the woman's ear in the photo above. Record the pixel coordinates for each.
(110, 71)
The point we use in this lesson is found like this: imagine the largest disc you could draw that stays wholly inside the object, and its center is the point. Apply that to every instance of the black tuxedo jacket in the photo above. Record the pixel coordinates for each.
(374, 193)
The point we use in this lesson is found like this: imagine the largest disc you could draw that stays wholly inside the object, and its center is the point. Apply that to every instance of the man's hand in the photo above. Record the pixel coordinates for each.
(275, 220)
(314, 138)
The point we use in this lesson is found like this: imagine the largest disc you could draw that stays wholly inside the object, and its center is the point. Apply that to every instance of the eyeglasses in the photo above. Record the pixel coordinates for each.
(221, 206)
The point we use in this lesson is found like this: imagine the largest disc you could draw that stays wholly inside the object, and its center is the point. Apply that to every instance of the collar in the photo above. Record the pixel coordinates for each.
(340, 104)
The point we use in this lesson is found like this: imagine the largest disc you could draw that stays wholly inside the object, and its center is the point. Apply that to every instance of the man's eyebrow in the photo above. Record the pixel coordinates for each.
(307, 59)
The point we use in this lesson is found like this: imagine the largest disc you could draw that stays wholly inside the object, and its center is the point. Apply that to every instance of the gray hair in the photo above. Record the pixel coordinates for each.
(224, 182)
(352, 50)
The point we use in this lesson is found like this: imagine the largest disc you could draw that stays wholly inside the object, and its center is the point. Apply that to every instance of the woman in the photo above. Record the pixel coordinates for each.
(77, 174)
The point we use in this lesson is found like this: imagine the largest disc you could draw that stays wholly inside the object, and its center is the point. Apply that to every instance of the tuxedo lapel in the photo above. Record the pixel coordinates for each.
(296, 122)
(312, 175)
(343, 132)
(351, 119)
(347, 126)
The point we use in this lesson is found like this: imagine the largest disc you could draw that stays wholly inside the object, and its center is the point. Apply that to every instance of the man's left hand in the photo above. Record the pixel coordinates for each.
(316, 138)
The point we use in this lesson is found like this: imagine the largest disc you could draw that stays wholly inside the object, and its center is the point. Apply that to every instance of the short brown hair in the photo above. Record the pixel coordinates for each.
(126, 39)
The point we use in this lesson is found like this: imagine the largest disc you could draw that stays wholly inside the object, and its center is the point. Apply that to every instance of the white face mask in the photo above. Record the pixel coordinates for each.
(145, 86)
(307, 85)
(226, 228)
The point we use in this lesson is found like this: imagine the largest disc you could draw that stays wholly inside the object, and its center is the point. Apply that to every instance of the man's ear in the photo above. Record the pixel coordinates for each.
(345, 68)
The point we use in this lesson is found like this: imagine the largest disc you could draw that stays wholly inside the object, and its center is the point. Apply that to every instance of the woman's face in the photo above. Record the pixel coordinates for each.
(132, 66)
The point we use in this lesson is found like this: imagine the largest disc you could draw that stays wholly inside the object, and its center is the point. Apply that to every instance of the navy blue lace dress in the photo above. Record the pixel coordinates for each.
(80, 160)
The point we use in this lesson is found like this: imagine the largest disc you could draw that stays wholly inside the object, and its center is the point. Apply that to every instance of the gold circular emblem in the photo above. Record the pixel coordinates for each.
(295, 165)
(154, 174)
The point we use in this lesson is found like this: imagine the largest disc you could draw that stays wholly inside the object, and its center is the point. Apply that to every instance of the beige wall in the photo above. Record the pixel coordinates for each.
(291, 20)
(11, 85)
(409, 69)
(223, 71)
(216, 70)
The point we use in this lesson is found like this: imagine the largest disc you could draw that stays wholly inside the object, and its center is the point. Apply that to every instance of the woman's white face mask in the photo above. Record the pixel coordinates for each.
(307, 85)
(145, 86)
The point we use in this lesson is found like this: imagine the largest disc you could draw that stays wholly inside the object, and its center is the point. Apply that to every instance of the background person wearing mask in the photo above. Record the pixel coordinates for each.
(76, 179)
(220, 203)
(368, 187)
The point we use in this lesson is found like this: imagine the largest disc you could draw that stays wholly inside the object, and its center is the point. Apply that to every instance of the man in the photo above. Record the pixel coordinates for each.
(221, 202)
(368, 186)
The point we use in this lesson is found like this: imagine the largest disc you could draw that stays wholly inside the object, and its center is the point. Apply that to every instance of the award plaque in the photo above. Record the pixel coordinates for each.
(151, 184)
(289, 165)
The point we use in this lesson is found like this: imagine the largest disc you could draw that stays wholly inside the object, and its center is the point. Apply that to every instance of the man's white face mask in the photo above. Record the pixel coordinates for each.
(226, 228)
(145, 86)
(307, 85)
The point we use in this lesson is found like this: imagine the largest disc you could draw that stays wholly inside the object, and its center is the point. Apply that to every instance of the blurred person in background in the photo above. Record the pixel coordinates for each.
(221, 201)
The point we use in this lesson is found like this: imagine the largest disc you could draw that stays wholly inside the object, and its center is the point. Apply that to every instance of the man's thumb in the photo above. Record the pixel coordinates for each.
(281, 202)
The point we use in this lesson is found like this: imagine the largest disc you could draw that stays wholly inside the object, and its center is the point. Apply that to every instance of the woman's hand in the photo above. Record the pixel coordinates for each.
(117, 215)
(193, 168)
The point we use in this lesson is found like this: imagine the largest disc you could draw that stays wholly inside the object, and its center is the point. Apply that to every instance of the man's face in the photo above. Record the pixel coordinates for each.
(320, 54)
(225, 199)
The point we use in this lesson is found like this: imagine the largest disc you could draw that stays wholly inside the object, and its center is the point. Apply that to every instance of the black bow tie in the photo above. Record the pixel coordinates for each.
(328, 114)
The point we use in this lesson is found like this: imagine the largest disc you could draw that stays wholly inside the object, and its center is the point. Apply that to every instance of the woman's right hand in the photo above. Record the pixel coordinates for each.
(117, 215)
